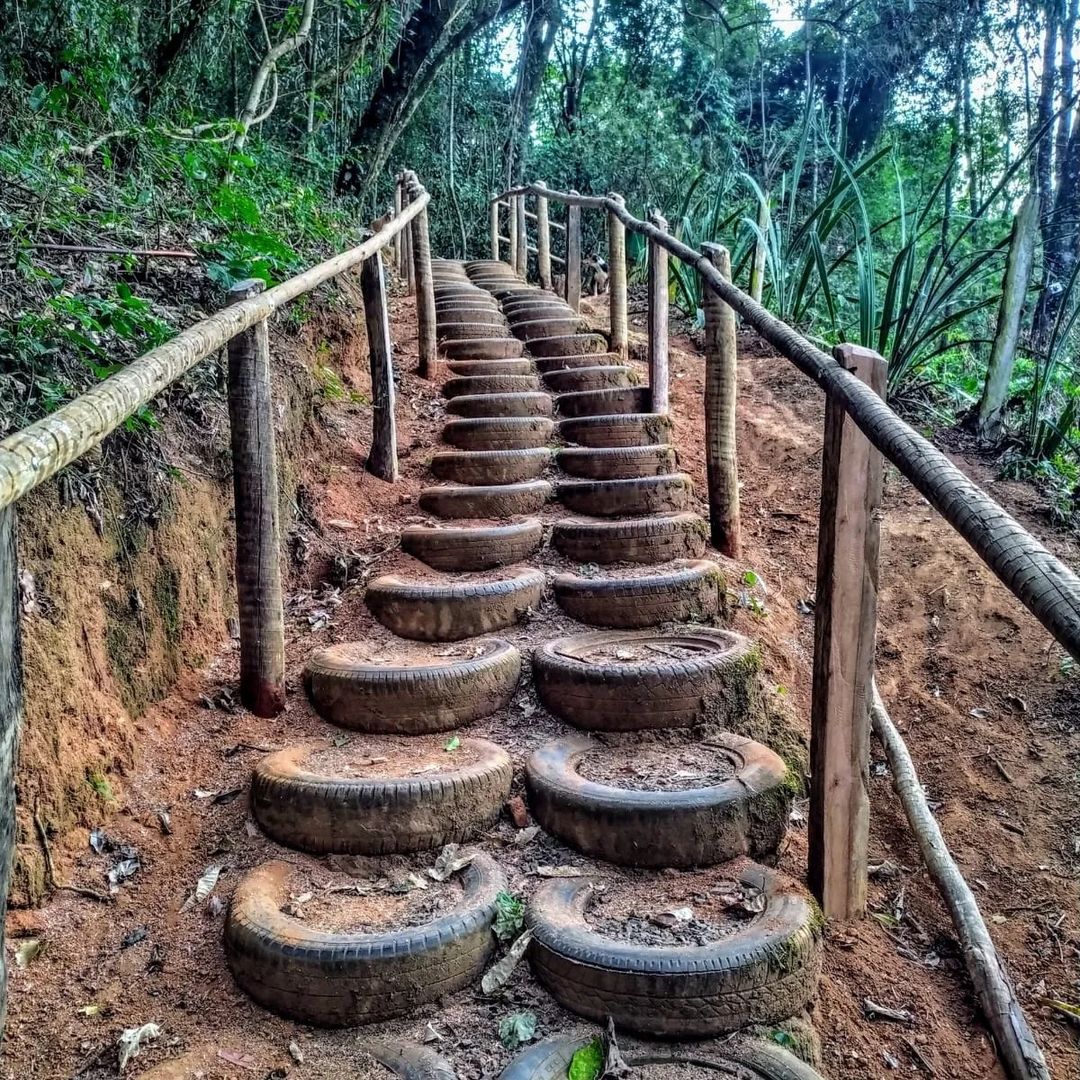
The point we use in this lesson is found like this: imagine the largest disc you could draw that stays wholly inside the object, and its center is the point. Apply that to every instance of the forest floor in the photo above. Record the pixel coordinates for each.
(981, 694)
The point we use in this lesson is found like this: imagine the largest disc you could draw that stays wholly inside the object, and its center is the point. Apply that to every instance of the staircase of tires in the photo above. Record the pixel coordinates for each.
(553, 461)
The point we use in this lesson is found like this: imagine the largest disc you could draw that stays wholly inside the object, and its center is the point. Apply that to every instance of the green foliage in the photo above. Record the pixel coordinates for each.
(588, 1062)
(517, 1029)
(509, 916)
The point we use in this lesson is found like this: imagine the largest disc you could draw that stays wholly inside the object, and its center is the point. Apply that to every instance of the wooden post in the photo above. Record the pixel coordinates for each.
(399, 242)
(617, 282)
(543, 242)
(408, 268)
(658, 319)
(495, 227)
(11, 713)
(845, 622)
(573, 255)
(522, 265)
(512, 227)
(721, 399)
(425, 286)
(757, 267)
(258, 533)
(382, 461)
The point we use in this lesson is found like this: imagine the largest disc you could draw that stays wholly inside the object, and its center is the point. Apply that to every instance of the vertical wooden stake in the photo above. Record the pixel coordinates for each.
(757, 267)
(512, 233)
(258, 533)
(408, 270)
(658, 320)
(425, 288)
(845, 622)
(522, 264)
(721, 399)
(543, 242)
(399, 241)
(382, 461)
(573, 255)
(11, 712)
(495, 228)
(618, 336)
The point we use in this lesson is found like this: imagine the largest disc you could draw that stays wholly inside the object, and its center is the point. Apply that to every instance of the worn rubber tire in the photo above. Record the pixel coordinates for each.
(549, 327)
(626, 429)
(688, 589)
(744, 815)
(337, 815)
(545, 364)
(499, 433)
(423, 611)
(411, 699)
(616, 400)
(597, 377)
(650, 540)
(340, 980)
(764, 972)
(520, 311)
(410, 1061)
(617, 462)
(566, 345)
(485, 348)
(490, 466)
(523, 366)
(550, 1059)
(474, 548)
(495, 501)
(471, 385)
(460, 293)
(476, 329)
(635, 496)
(717, 682)
(536, 403)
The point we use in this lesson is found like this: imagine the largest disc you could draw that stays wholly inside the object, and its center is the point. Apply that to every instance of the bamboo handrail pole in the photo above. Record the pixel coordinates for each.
(31, 456)
(1015, 1042)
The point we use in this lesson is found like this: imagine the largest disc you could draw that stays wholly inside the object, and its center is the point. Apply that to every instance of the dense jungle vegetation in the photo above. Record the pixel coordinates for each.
(884, 171)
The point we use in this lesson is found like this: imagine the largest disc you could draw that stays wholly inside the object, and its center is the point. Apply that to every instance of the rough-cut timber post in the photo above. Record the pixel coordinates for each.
(399, 249)
(543, 242)
(425, 287)
(658, 320)
(522, 264)
(617, 281)
(721, 400)
(258, 533)
(408, 270)
(757, 267)
(573, 256)
(846, 618)
(382, 461)
(511, 230)
(495, 227)
(11, 706)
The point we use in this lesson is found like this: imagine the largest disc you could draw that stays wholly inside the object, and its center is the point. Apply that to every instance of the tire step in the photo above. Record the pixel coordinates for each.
(473, 548)
(549, 326)
(434, 611)
(618, 681)
(474, 330)
(688, 589)
(536, 403)
(620, 429)
(566, 345)
(495, 501)
(456, 314)
(519, 311)
(649, 540)
(546, 364)
(617, 462)
(342, 980)
(491, 367)
(620, 400)
(484, 348)
(467, 385)
(484, 467)
(600, 377)
(499, 433)
(635, 496)
(744, 814)
(355, 688)
(323, 810)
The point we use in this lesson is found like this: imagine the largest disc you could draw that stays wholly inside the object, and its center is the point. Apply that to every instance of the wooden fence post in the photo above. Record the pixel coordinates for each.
(511, 231)
(543, 242)
(573, 255)
(11, 713)
(495, 228)
(382, 460)
(399, 241)
(618, 336)
(522, 263)
(721, 400)
(425, 285)
(844, 626)
(658, 320)
(408, 270)
(258, 533)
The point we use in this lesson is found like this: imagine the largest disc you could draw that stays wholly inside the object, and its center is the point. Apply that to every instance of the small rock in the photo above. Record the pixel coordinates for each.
(518, 814)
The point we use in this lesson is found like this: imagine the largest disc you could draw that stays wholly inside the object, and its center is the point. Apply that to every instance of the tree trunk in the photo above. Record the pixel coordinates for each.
(540, 29)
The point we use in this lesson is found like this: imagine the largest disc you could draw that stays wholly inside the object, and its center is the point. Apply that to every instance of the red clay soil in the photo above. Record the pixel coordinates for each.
(973, 682)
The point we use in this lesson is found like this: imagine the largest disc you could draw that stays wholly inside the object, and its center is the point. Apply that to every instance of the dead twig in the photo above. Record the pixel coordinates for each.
(917, 1054)
(50, 871)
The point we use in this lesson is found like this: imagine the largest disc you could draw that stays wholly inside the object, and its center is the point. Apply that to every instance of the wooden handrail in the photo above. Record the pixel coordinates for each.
(29, 457)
